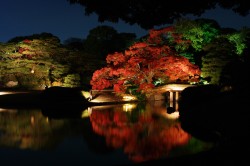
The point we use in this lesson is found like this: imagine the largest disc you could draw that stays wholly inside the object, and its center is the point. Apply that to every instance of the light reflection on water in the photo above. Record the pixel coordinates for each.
(101, 135)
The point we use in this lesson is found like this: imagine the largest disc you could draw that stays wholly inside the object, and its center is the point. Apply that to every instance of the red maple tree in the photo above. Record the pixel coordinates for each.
(144, 63)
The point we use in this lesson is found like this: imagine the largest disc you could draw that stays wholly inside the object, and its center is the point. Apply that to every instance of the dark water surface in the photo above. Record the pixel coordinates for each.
(124, 134)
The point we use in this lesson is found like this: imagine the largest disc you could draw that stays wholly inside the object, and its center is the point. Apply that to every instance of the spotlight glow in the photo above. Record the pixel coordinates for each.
(128, 107)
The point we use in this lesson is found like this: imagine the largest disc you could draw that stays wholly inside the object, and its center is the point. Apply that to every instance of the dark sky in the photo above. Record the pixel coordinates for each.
(59, 17)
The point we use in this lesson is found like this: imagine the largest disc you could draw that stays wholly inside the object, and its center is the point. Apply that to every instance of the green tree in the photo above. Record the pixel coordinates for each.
(199, 32)
(239, 39)
(33, 63)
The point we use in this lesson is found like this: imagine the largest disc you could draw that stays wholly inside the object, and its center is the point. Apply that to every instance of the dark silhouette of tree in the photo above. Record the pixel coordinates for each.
(150, 13)
(98, 40)
(103, 40)
(218, 54)
(123, 40)
(74, 43)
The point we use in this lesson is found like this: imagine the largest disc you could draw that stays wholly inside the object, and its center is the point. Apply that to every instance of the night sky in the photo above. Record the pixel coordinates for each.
(65, 20)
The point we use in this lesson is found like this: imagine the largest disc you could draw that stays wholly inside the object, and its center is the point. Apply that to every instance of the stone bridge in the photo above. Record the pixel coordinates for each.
(170, 93)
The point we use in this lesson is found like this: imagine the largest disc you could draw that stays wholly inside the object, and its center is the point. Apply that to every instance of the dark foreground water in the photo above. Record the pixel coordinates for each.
(123, 134)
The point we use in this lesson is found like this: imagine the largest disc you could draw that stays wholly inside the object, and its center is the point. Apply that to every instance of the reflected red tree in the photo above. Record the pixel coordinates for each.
(148, 138)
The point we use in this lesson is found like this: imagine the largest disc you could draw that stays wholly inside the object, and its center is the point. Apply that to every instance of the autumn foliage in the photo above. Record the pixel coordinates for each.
(145, 63)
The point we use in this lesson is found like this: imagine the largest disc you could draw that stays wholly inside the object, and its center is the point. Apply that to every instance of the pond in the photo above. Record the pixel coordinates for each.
(121, 134)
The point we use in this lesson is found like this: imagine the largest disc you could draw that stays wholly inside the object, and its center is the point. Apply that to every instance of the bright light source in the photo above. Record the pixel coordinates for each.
(128, 98)
(128, 107)
(86, 94)
(8, 110)
(5, 93)
(174, 115)
(86, 113)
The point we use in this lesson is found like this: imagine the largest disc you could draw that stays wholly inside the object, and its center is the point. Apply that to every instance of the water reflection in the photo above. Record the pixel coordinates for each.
(29, 129)
(114, 134)
(143, 135)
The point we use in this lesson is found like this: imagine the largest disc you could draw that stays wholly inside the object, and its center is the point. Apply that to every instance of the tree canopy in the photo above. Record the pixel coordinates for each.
(146, 64)
(150, 13)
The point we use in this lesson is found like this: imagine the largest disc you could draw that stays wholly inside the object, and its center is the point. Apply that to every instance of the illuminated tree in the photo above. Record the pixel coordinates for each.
(239, 39)
(199, 31)
(33, 63)
(147, 63)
